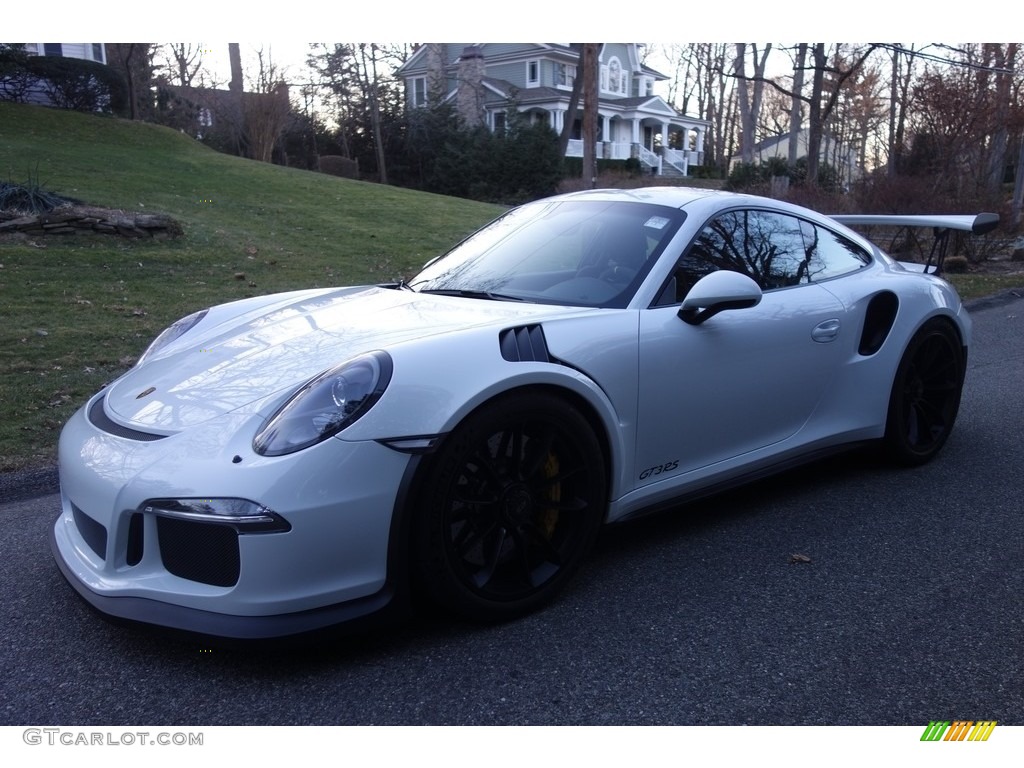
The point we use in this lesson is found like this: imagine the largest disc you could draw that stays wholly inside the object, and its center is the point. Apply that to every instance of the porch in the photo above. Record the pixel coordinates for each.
(661, 161)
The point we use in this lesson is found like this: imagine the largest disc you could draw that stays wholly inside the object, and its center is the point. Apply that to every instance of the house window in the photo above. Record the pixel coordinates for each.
(499, 123)
(97, 53)
(614, 79)
(52, 49)
(419, 92)
(565, 74)
(532, 74)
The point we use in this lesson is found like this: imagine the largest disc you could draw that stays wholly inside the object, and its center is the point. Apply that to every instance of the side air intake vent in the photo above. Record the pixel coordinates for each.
(524, 344)
(878, 322)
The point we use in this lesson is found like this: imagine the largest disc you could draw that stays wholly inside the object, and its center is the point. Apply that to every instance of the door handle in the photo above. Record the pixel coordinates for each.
(826, 331)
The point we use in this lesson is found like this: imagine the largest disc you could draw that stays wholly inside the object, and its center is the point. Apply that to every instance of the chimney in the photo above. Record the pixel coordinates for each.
(436, 85)
(235, 57)
(470, 96)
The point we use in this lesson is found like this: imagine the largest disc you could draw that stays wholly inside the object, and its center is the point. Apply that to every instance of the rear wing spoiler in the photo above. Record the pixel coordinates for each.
(978, 224)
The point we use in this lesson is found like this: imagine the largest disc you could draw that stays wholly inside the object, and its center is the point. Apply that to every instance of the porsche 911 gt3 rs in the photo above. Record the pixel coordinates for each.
(292, 462)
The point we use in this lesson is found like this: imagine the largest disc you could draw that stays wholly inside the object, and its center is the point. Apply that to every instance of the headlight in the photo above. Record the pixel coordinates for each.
(241, 514)
(325, 405)
(175, 331)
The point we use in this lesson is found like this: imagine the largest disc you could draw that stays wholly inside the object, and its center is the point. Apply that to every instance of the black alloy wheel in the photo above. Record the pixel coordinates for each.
(513, 501)
(925, 394)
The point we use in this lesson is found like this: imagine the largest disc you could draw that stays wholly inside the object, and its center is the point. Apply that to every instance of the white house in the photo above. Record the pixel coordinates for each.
(89, 51)
(484, 81)
(837, 154)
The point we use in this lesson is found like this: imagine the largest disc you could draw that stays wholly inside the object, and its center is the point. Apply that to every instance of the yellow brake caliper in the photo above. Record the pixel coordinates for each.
(549, 517)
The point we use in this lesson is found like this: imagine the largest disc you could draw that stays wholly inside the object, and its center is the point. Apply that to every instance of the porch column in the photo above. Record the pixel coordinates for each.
(664, 135)
(636, 130)
(700, 141)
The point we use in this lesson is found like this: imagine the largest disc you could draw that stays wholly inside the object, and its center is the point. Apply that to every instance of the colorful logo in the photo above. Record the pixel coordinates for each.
(958, 730)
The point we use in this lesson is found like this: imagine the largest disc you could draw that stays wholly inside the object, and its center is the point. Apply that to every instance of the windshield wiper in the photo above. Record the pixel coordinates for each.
(469, 294)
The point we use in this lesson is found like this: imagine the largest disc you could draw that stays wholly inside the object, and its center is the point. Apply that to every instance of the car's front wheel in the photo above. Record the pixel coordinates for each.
(925, 394)
(509, 507)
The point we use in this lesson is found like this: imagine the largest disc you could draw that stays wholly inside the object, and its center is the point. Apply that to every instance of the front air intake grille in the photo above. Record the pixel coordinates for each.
(524, 344)
(100, 420)
(203, 552)
(94, 533)
(133, 556)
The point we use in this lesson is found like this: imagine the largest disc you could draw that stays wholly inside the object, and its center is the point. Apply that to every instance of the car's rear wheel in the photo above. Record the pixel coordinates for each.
(925, 394)
(510, 505)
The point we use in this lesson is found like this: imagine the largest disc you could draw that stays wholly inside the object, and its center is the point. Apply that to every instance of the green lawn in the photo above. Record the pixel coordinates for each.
(76, 311)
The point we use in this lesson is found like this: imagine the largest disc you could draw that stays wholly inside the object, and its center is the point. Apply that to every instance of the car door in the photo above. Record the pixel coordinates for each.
(745, 379)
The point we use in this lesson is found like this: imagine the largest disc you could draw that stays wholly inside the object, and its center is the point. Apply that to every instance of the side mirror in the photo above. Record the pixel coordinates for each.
(716, 292)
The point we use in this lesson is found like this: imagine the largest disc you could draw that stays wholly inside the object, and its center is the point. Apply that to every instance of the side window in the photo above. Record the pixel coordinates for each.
(830, 254)
(767, 247)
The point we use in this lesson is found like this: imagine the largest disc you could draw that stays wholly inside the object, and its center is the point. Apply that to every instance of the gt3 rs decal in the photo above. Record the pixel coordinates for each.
(668, 466)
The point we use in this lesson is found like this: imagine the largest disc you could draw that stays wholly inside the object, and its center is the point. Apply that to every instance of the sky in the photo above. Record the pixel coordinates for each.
(288, 34)
(126, 20)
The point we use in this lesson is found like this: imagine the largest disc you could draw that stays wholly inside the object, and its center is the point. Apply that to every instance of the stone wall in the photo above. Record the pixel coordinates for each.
(78, 221)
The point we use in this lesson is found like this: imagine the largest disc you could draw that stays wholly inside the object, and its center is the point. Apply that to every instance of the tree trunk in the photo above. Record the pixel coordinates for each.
(746, 117)
(815, 118)
(1018, 188)
(1000, 137)
(589, 115)
(795, 109)
(574, 102)
(370, 74)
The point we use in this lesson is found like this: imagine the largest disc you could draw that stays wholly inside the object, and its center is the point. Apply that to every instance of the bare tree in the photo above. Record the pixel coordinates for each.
(796, 103)
(182, 61)
(750, 93)
(823, 101)
(265, 108)
(135, 62)
(1002, 60)
(899, 102)
(371, 88)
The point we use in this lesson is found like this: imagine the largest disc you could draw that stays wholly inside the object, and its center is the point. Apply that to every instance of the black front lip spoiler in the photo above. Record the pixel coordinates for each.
(352, 615)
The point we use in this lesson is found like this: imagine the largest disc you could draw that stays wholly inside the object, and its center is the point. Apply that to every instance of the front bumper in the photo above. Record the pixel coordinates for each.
(330, 567)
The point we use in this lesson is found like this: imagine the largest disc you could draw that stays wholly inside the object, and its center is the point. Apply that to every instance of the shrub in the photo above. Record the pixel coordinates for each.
(29, 197)
(956, 265)
(86, 86)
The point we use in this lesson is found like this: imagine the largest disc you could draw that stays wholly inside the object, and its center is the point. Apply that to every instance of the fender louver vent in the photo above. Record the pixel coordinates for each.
(524, 344)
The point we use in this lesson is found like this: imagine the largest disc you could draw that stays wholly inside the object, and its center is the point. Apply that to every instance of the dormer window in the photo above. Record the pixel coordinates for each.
(614, 79)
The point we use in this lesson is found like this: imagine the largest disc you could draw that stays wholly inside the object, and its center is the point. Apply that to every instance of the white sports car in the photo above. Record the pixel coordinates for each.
(287, 463)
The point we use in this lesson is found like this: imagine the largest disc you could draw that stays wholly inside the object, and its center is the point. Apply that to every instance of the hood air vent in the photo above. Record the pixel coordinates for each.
(524, 344)
(99, 419)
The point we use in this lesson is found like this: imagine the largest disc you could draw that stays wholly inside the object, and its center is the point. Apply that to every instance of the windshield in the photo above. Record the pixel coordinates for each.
(578, 253)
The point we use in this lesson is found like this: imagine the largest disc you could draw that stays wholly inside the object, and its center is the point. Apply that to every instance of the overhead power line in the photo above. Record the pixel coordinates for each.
(944, 60)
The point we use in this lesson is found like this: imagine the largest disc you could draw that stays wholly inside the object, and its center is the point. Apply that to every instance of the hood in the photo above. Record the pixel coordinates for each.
(222, 365)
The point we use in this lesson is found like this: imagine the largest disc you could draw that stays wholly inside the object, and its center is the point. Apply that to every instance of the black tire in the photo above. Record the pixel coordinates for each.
(925, 394)
(510, 506)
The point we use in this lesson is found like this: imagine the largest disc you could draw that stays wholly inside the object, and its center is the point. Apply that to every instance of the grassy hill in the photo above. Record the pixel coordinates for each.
(77, 310)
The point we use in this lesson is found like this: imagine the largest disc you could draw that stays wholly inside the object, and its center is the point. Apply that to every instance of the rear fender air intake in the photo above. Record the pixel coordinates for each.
(878, 320)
